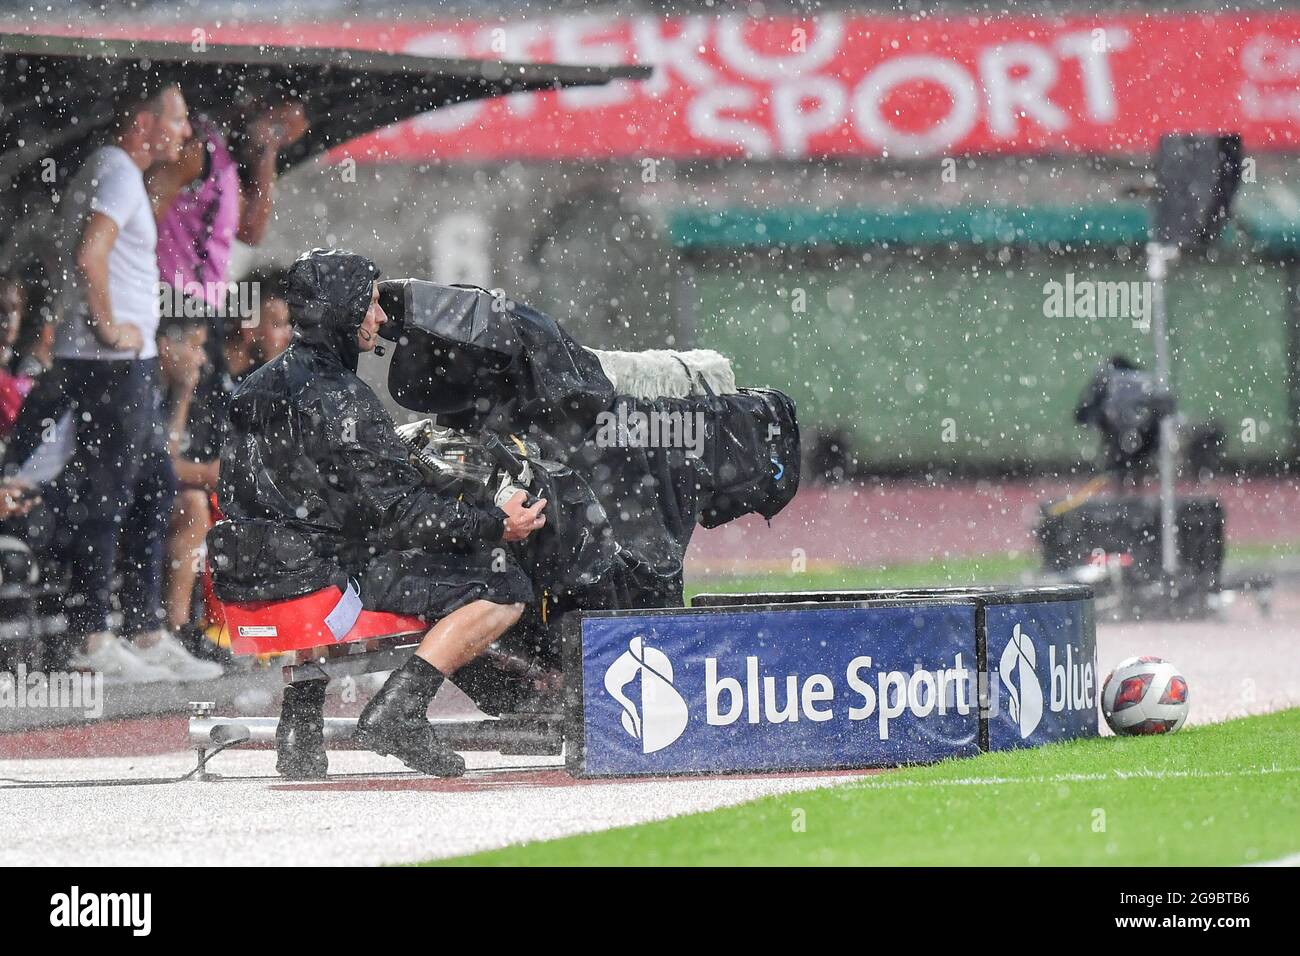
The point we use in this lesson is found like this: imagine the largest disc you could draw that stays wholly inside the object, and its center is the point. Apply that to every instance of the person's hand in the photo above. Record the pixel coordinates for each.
(124, 338)
(263, 134)
(291, 119)
(189, 369)
(16, 498)
(522, 521)
(277, 127)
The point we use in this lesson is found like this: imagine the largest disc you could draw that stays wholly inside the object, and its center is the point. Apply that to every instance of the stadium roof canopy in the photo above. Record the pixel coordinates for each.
(57, 95)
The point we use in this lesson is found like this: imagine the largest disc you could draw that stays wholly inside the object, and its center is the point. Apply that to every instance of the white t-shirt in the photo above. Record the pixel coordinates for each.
(109, 183)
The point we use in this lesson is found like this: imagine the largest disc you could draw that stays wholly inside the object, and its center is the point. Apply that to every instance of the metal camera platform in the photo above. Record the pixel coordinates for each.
(514, 734)
(802, 681)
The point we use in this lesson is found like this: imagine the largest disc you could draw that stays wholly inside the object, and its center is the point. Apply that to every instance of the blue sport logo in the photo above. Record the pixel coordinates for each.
(660, 715)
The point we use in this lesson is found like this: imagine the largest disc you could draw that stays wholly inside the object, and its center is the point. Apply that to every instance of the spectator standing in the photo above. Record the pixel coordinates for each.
(106, 370)
(203, 201)
(206, 198)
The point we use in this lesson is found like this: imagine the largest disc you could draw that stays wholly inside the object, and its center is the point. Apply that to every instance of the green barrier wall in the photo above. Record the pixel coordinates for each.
(893, 347)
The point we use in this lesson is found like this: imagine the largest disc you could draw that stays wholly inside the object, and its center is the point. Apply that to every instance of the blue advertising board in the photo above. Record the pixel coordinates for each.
(1043, 683)
(770, 688)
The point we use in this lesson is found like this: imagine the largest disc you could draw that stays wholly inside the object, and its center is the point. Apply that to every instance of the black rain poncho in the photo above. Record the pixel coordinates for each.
(317, 487)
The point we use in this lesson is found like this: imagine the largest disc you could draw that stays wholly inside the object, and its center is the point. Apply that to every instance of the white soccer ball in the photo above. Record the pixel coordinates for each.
(1144, 695)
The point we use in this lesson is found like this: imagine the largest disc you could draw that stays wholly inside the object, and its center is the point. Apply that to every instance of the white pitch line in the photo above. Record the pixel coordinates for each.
(1292, 860)
(871, 784)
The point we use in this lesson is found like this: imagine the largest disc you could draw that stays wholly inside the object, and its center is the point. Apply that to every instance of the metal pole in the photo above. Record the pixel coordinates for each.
(1292, 272)
(1158, 258)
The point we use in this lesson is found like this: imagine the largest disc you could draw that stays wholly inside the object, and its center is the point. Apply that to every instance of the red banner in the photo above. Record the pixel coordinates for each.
(844, 85)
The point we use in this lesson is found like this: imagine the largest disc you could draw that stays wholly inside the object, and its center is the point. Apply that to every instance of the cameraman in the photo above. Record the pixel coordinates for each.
(317, 489)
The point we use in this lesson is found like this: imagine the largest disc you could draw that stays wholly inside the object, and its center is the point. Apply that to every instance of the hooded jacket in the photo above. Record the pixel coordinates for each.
(315, 481)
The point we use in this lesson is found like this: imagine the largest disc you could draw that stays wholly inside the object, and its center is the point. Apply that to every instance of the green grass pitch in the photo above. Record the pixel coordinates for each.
(1220, 794)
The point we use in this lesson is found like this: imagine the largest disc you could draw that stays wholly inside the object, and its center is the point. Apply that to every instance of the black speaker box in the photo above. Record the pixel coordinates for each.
(1196, 178)
(1131, 526)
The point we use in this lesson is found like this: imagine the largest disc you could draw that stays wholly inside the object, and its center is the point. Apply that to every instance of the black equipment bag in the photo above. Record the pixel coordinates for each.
(1131, 525)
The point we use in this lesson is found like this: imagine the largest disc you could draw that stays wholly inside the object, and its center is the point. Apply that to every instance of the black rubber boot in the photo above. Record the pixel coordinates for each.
(395, 721)
(300, 735)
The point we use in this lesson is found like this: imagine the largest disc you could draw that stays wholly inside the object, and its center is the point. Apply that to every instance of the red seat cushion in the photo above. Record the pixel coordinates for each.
(296, 624)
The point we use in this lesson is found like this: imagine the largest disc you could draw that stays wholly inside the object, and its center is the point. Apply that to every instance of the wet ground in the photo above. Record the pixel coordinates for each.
(1244, 663)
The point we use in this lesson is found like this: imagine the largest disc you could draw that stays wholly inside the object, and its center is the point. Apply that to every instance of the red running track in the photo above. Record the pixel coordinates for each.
(894, 522)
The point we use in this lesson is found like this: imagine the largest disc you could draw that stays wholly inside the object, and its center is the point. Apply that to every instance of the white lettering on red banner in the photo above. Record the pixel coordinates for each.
(842, 85)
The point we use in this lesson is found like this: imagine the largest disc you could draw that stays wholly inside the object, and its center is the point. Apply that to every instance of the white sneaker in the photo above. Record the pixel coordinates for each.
(115, 660)
(170, 654)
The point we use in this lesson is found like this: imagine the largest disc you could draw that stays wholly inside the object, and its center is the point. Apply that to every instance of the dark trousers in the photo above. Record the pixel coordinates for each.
(112, 503)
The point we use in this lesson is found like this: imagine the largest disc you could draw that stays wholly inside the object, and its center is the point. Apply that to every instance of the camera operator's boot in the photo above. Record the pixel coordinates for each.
(300, 735)
(395, 721)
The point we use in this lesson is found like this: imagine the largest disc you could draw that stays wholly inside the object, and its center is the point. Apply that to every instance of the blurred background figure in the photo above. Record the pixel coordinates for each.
(14, 386)
(1125, 404)
(16, 499)
(202, 360)
(249, 344)
(192, 409)
(220, 189)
